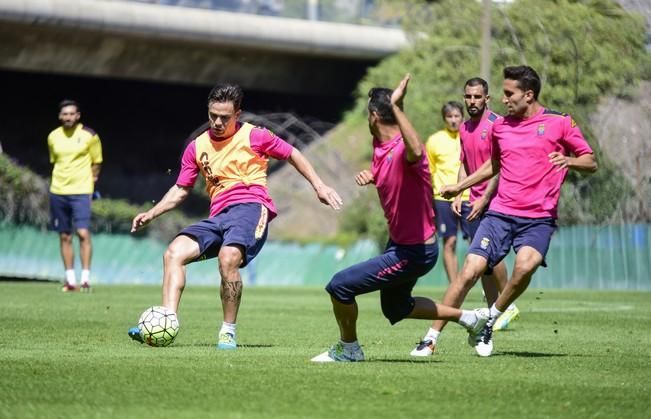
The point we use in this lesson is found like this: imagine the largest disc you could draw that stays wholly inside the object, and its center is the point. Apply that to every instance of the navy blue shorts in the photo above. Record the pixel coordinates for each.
(394, 273)
(68, 211)
(447, 222)
(498, 232)
(239, 224)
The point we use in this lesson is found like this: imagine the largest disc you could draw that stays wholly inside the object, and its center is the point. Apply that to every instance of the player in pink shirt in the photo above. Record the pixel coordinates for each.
(475, 135)
(400, 172)
(232, 157)
(532, 150)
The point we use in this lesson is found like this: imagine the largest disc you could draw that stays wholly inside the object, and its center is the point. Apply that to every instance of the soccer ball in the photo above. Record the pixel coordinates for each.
(158, 326)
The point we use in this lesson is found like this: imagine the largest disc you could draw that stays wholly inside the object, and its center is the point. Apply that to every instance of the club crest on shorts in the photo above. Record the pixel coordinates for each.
(484, 243)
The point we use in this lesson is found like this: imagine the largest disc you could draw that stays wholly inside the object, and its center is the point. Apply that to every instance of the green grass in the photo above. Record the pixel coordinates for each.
(572, 354)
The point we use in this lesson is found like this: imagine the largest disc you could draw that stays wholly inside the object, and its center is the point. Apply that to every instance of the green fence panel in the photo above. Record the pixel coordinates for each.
(598, 257)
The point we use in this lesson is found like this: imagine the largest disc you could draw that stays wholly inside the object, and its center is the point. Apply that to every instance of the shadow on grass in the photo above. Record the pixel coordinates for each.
(528, 354)
(429, 360)
(204, 345)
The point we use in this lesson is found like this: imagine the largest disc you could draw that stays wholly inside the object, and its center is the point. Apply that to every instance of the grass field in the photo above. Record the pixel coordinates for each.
(572, 354)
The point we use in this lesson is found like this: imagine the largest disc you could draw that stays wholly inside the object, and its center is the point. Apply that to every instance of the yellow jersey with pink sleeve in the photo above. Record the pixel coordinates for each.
(530, 185)
(235, 168)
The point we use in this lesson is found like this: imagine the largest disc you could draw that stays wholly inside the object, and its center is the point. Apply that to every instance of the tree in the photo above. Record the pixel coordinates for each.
(582, 49)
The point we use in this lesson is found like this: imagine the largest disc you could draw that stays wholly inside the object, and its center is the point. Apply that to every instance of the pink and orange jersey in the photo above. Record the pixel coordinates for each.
(235, 168)
(476, 140)
(405, 192)
(530, 185)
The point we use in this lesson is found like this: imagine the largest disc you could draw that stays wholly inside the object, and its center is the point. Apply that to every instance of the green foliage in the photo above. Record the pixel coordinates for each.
(25, 201)
(24, 195)
(583, 50)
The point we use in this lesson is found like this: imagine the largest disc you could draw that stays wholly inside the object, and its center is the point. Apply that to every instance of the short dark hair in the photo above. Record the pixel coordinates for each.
(226, 92)
(380, 103)
(477, 81)
(68, 102)
(526, 77)
(451, 105)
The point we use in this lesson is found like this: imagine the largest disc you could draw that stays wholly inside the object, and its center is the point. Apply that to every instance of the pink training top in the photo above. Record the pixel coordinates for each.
(405, 191)
(530, 185)
(264, 143)
(476, 139)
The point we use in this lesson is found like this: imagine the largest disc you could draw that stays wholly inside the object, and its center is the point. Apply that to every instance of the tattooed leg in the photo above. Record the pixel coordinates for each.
(230, 259)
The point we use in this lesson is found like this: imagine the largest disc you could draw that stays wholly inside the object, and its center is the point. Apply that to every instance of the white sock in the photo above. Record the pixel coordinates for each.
(85, 276)
(432, 334)
(70, 277)
(511, 306)
(495, 314)
(350, 346)
(228, 328)
(468, 318)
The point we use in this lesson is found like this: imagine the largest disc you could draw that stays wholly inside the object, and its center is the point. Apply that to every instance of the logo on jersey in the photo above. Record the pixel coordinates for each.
(541, 130)
(484, 134)
(205, 166)
(484, 243)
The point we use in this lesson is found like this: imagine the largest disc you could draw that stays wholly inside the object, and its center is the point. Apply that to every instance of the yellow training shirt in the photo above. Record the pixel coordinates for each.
(444, 156)
(73, 152)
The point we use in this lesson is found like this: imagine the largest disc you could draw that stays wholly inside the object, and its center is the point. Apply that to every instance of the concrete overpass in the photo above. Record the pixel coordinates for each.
(128, 40)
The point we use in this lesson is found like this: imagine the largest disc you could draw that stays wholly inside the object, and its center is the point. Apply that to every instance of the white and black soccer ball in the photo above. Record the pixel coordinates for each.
(158, 326)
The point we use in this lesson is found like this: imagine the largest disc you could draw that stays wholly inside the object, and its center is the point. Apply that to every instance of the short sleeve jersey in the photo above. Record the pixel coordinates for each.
(444, 156)
(73, 152)
(476, 140)
(235, 168)
(405, 192)
(530, 185)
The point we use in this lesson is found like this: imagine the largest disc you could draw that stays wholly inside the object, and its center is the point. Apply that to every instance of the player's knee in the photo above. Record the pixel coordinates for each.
(339, 290)
(230, 258)
(175, 253)
(83, 234)
(65, 238)
(450, 244)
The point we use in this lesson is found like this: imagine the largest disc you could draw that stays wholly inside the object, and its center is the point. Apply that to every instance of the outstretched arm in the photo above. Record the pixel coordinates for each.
(487, 170)
(325, 193)
(174, 196)
(478, 206)
(413, 144)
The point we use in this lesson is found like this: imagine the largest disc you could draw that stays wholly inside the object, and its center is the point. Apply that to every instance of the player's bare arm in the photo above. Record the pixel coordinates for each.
(413, 144)
(586, 163)
(477, 207)
(325, 193)
(364, 178)
(95, 168)
(172, 199)
(456, 204)
(487, 170)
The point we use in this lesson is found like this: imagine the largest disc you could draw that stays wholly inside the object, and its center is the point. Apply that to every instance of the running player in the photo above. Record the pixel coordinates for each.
(532, 150)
